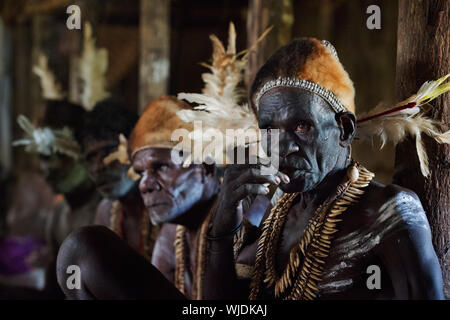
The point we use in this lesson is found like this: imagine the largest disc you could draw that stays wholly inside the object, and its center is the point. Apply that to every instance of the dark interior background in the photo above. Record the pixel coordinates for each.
(29, 27)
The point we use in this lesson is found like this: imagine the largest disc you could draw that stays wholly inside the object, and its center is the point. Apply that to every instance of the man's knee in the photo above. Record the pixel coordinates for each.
(75, 249)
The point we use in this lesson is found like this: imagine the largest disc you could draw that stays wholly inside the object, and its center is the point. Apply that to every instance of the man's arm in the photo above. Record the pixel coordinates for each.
(409, 254)
(108, 268)
(240, 181)
(103, 213)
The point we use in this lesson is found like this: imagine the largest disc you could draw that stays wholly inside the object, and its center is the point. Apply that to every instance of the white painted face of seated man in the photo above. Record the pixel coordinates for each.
(167, 188)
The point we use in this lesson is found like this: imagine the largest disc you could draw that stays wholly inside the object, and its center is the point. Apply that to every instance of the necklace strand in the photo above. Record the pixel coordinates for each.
(182, 254)
(116, 225)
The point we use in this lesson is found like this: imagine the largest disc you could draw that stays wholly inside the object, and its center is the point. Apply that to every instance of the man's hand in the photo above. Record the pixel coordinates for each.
(239, 182)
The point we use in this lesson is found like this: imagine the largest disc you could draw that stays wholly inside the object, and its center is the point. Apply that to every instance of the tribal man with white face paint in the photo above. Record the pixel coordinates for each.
(175, 197)
(333, 221)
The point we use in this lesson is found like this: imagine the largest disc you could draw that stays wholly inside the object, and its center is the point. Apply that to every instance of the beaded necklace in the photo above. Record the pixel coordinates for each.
(182, 254)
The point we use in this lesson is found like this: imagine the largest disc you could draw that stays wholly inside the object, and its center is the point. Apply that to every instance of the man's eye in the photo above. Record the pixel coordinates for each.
(303, 128)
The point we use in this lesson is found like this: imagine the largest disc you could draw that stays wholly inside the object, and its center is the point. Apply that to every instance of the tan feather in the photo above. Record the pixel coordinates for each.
(218, 106)
(93, 65)
(407, 119)
(51, 89)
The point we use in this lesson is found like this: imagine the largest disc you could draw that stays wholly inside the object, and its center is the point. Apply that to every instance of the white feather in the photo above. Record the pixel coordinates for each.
(218, 105)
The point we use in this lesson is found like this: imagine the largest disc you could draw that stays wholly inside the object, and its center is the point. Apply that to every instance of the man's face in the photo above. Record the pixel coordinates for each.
(63, 173)
(309, 135)
(167, 189)
(110, 180)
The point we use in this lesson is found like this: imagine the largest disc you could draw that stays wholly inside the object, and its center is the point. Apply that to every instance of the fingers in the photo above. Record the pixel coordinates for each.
(283, 177)
(252, 172)
(248, 189)
(253, 175)
(241, 181)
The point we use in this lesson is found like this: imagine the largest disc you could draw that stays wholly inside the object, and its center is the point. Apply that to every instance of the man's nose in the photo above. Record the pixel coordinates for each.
(287, 144)
(149, 184)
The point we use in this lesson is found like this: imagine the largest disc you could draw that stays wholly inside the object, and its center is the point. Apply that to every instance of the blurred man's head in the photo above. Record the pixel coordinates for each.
(102, 127)
(168, 189)
(64, 171)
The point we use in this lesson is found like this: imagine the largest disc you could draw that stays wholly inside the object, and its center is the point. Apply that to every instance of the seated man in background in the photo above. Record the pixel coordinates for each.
(181, 199)
(106, 157)
(57, 144)
(68, 175)
(23, 252)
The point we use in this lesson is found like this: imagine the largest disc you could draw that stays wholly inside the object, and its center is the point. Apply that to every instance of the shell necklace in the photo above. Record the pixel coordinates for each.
(299, 280)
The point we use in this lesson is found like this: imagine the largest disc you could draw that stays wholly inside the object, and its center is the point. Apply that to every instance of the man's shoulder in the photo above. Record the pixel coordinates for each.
(391, 195)
(394, 205)
(166, 237)
(105, 205)
(168, 230)
(163, 256)
(103, 212)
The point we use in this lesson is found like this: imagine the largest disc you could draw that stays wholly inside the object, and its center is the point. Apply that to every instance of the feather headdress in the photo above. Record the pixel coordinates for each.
(394, 124)
(218, 106)
(93, 65)
(51, 89)
(47, 141)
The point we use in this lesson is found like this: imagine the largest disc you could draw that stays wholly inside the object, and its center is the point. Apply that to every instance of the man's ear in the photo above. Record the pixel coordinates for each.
(347, 124)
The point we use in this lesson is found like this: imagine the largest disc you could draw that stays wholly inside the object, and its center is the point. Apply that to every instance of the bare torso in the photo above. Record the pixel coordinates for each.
(384, 228)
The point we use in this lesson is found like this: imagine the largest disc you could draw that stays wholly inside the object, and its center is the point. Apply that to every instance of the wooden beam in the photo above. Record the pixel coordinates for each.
(15, 11)
(261, 15)
(423, 54)
(33, 7)
(5, 101)
(154, 58)
(21, 88)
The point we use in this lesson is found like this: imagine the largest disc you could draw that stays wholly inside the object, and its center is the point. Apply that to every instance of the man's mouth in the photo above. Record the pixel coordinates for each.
(294, 173)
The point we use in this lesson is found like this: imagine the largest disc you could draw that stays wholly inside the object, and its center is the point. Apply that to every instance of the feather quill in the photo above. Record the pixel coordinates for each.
(407, 118)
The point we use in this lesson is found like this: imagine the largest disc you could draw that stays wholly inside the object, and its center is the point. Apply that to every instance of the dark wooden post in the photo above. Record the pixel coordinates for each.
(5, 100)
(423, 54)
(261, 15)
(154, 63)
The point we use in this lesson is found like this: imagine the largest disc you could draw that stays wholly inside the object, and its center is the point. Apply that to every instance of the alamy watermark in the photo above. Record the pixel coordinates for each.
(74, 20)
(74, 280)
(374, 280)
(374, 20)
